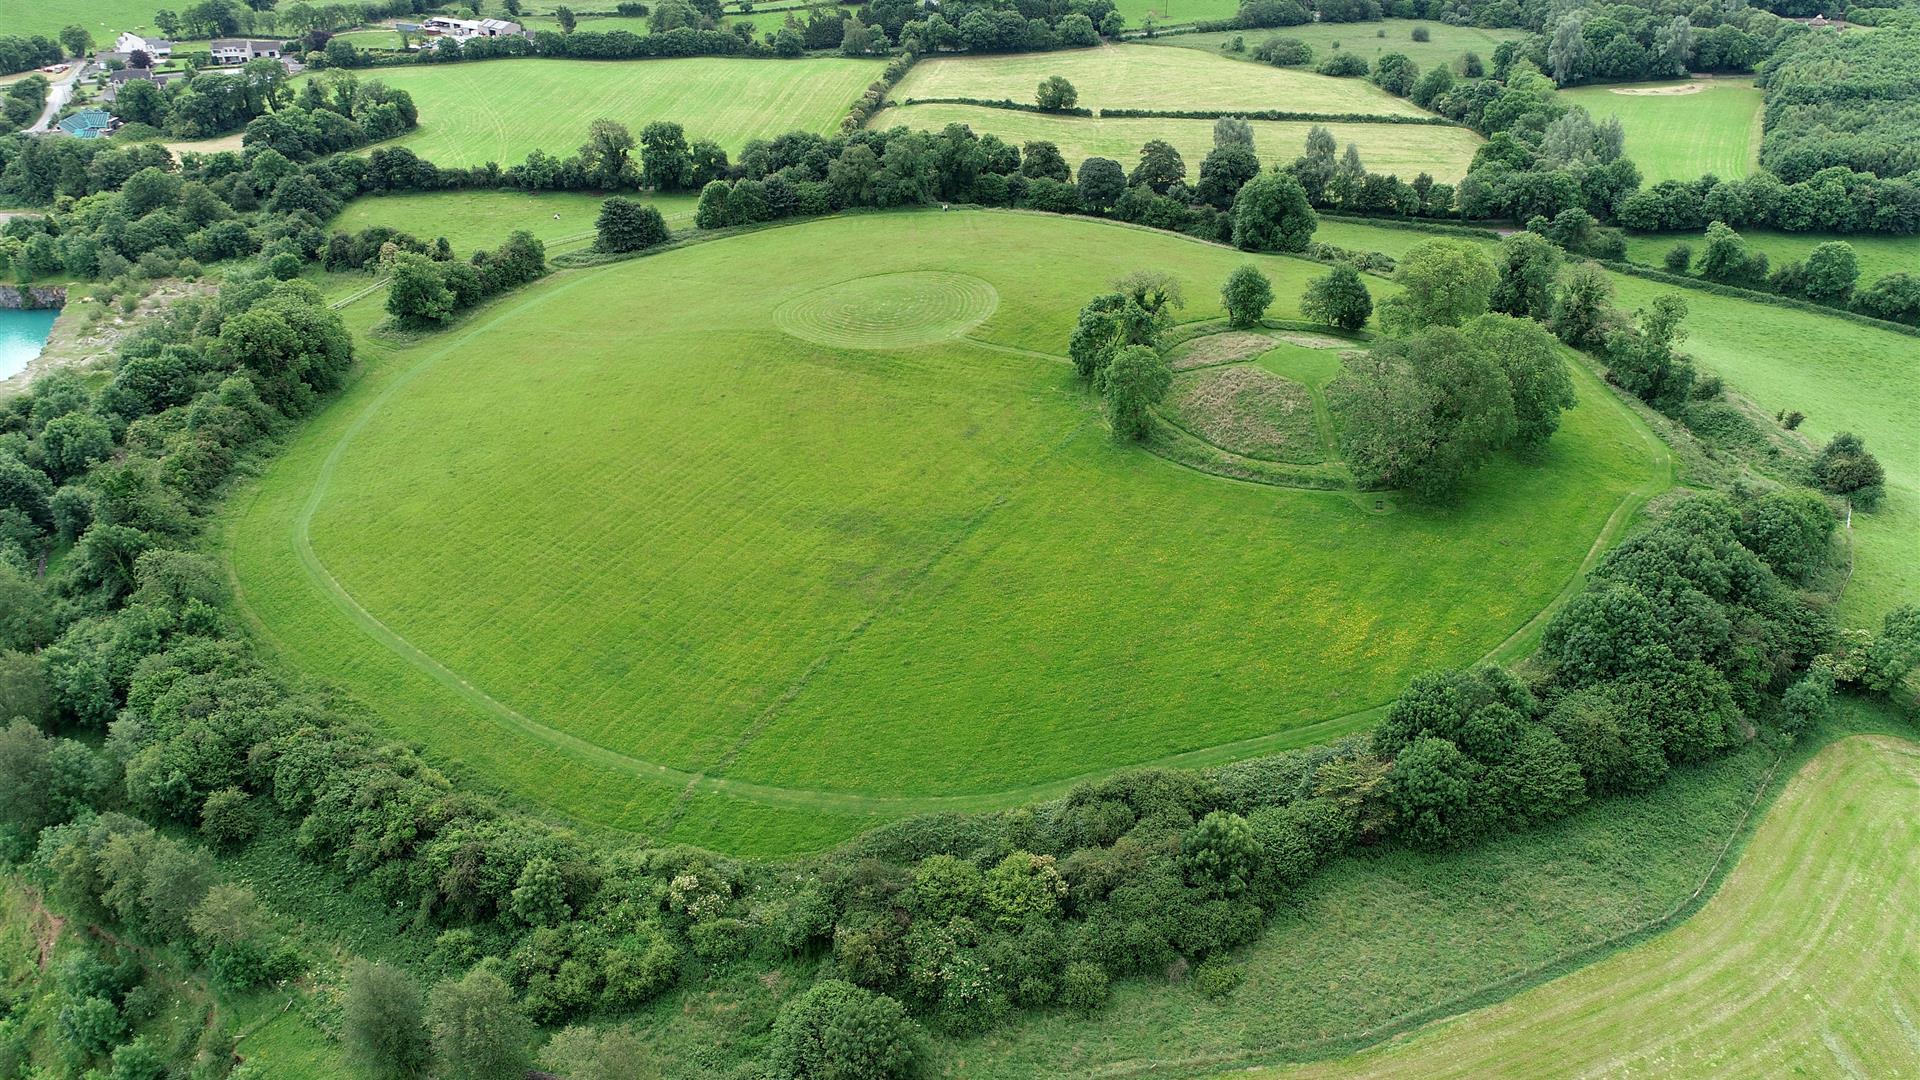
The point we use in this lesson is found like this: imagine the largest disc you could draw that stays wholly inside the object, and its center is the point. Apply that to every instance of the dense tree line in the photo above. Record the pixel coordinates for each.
(1850, 100)
(423, 290)
(22, 103)
(325, 116)
(19, 53)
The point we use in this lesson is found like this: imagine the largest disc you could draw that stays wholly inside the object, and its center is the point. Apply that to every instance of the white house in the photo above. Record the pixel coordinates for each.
(158, 48)
(229, 51)
(463, 29)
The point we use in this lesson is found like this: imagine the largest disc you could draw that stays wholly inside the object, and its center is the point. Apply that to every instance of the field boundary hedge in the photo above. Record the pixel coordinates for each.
(1735, 292)
(1002, 103)
(1277, 114)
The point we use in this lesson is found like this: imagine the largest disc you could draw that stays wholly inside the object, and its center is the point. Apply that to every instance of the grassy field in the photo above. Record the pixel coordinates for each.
(1879, 254)
(1166, 12)
(1844, 376)
(1405, 149)
(699, 576)
(1445, 43)
(1681, 131)
(500, 111)
(1143, 77)
(104, 19)
(479, 219)
(1804, 964)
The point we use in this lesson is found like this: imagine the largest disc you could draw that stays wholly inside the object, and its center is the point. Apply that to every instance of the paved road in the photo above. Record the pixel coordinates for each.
(57, 96)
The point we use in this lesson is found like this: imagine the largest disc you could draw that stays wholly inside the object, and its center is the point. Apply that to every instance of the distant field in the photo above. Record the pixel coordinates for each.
(1366, 39)
(1712, 126)
(104, 19)
(1805, 963)
(502, 110)
(1166, 12)
(1404, 149)
(1879, 254)
(1143, 77)
(480, 219)
(657, 546)
(1844, 376)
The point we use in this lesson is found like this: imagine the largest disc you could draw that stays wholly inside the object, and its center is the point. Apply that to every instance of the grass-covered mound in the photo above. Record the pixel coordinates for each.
(1142, 77)
(502, 110)
(1685, 130)
(629, 548)
(1403, 149)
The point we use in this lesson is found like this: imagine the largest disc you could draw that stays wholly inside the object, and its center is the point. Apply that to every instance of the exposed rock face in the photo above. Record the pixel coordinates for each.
(33, 296)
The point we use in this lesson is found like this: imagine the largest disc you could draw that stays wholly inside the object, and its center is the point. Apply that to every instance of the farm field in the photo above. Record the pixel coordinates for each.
(479, 219)
(1169, 12)
(1879, 253)
(1142, 77)
(105, 19)
(1405, 149)
(1844, 376)
(1445, 43)
(1802, 964)
(503, 110)
(1684, 130)
(866, 583)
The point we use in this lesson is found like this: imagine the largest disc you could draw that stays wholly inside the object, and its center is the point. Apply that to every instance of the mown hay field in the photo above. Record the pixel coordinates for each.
(1372, 40)
(638, 545)
(1404, 149)
(1684, 130)
(502, 110)
(1143, 77)
(481, 219)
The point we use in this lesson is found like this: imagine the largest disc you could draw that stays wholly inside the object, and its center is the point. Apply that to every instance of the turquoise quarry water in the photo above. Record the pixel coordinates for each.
(22, 333)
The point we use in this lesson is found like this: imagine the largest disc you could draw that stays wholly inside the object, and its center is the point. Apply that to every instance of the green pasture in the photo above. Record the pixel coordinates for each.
(1879, 253)
(104, 19)
(1444, 44)
(1142, 77)
(1682, 131)
(1844, 376)
(502, 110)
(1803, 964)
(658, 546)
(1167, 12)
(480, 219)
(1403, 149)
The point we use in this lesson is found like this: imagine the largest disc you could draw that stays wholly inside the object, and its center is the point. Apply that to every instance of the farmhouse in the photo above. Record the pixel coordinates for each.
(158, 48)
(462, 29)
(229, 51)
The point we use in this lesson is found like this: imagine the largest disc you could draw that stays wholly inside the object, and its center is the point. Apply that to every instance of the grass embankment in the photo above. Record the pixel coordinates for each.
(1844, 376)
(1141, 77)
(1404, 149)
(1371, 40)
(482, 219)
(502, 110)
(1683, 130)
(674, 565)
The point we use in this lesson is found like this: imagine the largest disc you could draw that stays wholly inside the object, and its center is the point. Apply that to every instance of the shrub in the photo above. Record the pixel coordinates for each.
(1217, 977)
(1284, 52)
(1807, 704)
(1083, 987)
(838, 1030)
(1246, 296)
(1056, 93)
(227, 818)
(1789, 530)
(1220, 854)
(1338, 298)
(625, 225)
(1845, 467)
(1422, 34)
(1344, 65)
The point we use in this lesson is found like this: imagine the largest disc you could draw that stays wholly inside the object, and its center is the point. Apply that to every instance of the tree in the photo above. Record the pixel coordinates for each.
(1160, 167)
(585, 1053)
(1135, 381)
(1224, 171)
(1832, 270)
(1271, 214)
(1423, 412)
(1643, 360)
(625, 225)
(1583, 313)
(664, 160)
(382, 1022)
(1042, 159)
(606, 158)
(1338, 298)
(1102, 182)
(1232, 131)
(1097, 335)
(1431, 789)
(1443, 283)
(478, 1030)
(1395, 73)
(1528, 267)
(1845, 467)
(1790, 530)
(712, 212)
(1246, 296)
(539, 897)
(1056, 94)
(1895, 650)
(1536, 374)
(418, 290)
(837, 1031)
(565, 16)
(1220, 854)
(76, 40)
(73, 443)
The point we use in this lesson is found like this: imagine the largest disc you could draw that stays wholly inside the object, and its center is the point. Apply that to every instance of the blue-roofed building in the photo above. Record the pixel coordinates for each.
(90, 124)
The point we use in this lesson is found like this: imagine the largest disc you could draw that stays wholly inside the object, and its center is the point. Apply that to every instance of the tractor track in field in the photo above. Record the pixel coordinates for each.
(710, 779)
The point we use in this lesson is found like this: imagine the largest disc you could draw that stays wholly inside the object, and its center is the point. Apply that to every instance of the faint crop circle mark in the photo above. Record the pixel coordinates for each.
(889, 311)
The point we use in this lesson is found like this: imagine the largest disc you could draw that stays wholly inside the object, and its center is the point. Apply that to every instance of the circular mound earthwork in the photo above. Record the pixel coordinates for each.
(889, 311)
